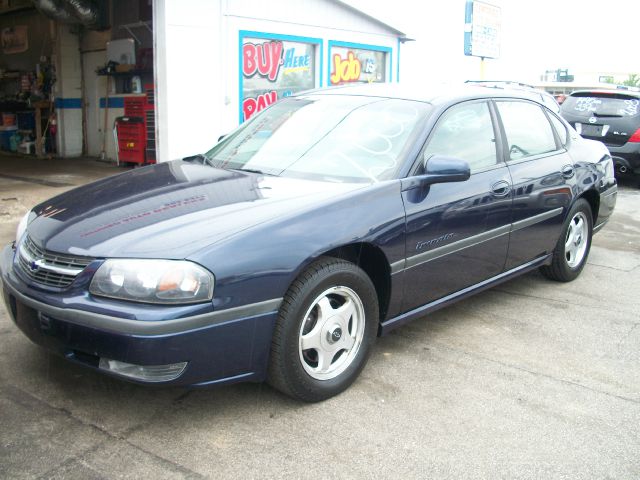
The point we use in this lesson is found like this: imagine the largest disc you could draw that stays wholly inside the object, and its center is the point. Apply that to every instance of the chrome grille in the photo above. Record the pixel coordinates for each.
(49, 268)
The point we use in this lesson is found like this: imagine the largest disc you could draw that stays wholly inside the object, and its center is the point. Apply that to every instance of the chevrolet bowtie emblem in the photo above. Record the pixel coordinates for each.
(35, 265)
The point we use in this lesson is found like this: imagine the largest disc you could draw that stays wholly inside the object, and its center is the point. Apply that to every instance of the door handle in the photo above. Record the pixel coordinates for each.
(567, 171)
(500, 189)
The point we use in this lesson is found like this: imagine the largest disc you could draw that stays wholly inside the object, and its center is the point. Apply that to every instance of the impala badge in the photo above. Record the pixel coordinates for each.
(434, 242)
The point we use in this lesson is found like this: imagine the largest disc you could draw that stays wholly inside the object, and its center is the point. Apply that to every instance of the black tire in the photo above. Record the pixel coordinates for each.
(291, 368)
(563, 268)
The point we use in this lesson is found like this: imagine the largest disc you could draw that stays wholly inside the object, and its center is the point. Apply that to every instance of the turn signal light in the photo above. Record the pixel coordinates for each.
(147, 373)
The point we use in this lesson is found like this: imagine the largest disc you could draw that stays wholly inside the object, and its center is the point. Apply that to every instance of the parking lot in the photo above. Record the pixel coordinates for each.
(531, 379)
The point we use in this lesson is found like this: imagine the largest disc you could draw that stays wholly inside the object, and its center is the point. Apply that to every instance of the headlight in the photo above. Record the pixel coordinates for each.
(22, 226)
(153, 281)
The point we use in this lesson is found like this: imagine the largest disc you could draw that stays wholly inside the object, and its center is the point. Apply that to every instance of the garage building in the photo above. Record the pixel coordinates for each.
(144, 81)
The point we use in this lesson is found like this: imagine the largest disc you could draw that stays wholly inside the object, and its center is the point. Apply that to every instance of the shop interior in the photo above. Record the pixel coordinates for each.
(89, 59)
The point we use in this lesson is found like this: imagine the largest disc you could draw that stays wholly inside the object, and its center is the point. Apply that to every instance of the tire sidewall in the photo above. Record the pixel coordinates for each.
(583, 206)
(337, 274)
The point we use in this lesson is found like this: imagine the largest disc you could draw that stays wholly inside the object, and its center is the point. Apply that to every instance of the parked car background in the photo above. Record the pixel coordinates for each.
(612, 117)
(325, 220)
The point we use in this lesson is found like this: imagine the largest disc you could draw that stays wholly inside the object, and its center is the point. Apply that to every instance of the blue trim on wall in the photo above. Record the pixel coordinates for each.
(361, 46)
(68, 103)
(398, 62)
(275, 36)
(114, 102)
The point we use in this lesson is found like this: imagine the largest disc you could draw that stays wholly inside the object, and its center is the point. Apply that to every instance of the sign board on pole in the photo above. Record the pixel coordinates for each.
(482, 29)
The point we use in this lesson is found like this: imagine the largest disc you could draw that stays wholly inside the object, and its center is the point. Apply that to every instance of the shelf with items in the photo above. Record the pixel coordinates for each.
(127, 73)
(129, 82)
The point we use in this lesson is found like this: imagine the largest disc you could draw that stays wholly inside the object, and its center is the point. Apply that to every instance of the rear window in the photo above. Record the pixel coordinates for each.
(593, 103)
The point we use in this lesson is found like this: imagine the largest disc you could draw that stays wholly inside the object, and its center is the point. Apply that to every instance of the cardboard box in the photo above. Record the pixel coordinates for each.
(124, 67)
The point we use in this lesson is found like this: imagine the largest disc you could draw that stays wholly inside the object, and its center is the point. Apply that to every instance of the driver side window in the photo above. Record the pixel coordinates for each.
(465, 131)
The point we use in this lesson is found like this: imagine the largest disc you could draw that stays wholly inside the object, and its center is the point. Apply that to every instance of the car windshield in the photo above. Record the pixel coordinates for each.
(324, 137)
(602, 104)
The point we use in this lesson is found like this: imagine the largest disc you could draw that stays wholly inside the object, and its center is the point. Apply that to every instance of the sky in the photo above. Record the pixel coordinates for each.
(538, 35)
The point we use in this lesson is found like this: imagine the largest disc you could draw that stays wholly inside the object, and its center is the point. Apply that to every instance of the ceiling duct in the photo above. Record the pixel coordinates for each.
(89, 13)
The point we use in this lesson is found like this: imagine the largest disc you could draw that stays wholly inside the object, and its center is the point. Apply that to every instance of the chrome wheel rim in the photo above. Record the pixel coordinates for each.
(331, 333)
(575, 245)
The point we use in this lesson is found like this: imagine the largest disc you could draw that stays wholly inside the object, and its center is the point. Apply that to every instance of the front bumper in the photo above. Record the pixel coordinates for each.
(218, 347)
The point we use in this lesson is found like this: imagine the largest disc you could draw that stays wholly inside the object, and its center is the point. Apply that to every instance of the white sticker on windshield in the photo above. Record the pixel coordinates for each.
(587, 104)
(631, 107)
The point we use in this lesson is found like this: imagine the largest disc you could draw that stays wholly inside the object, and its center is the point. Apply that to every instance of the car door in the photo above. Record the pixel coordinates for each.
(457, 233)
(543, 176)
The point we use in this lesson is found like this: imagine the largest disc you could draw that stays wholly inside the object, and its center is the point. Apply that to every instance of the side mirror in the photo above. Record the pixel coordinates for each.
(439, 169)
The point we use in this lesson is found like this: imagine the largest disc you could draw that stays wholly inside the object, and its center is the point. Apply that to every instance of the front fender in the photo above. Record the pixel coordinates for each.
(260, 263)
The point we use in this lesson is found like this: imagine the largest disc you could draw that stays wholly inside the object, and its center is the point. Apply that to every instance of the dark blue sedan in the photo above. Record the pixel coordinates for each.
(326, 220)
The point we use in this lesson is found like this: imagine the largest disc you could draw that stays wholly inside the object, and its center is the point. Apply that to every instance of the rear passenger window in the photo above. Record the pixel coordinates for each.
(527, 128)
(465, 131)
(560, 128)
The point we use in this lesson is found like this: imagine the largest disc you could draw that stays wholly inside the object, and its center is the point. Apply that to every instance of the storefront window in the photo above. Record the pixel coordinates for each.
(273, 68)
(357, 65)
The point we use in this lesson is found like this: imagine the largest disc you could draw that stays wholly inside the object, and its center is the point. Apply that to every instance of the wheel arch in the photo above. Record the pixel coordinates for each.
(593, 198)
(374, 262)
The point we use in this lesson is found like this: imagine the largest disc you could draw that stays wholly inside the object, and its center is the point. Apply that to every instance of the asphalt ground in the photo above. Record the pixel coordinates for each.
(531, 379)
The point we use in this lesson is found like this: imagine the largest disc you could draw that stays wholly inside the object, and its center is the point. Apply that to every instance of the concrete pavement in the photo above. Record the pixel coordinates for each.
(532, 379)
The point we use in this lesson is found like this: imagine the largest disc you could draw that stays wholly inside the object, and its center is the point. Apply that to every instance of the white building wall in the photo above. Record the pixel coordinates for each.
(327, 14)
(68, 92)
(189, 94)
(197, 45)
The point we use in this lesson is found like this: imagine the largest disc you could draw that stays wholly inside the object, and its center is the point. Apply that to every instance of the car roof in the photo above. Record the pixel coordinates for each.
(435, 94)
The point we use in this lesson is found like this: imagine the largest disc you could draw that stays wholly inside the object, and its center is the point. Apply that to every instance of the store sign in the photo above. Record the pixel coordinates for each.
(272, 69)
(482, 30)
(357, 65)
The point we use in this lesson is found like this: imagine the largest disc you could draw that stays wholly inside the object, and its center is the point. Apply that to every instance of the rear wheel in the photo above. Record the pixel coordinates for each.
(572, 249)
(326, 327)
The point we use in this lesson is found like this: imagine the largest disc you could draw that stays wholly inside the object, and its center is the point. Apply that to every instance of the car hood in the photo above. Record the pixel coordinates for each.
(170, 210)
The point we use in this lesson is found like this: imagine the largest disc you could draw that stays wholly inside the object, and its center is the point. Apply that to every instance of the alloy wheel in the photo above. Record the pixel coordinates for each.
(575, 244)
(331, 333)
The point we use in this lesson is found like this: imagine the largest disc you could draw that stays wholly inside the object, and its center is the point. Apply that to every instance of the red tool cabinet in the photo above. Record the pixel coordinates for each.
(136, 130)
(131, 139)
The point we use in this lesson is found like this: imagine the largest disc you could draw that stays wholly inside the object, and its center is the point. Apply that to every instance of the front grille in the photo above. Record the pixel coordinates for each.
(49, 268)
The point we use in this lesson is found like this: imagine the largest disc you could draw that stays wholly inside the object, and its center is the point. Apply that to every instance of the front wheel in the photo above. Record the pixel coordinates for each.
(571, 251)
(326, 327)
